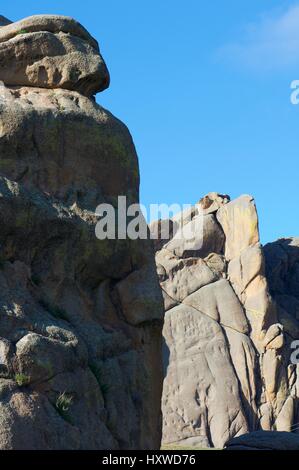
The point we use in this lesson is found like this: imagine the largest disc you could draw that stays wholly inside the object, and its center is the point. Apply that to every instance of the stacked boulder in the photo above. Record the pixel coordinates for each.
(230, 322)
(81, 318)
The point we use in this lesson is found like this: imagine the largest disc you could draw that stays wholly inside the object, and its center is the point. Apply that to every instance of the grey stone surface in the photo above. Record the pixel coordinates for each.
(80, 318)
(70, 56)
(228, 336)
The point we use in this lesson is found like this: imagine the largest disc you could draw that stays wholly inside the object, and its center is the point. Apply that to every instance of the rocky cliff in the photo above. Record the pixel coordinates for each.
(231, 315)
(80, 318)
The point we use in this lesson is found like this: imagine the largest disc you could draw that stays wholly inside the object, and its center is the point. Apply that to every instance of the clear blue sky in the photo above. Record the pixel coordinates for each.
(204, 87)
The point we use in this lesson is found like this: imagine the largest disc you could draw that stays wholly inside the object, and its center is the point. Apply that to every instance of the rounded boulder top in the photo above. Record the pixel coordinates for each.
(50, 23)
(71, 59)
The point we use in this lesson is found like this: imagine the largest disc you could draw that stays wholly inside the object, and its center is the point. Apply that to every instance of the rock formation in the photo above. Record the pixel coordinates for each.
(231, 314)
(265, 440)
(81, 318)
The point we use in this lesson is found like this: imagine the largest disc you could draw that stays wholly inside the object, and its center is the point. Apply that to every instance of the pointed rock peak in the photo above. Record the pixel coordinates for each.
(4, 21)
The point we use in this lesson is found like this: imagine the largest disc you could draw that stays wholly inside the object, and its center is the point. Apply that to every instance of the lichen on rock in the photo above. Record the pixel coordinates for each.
(80, 354)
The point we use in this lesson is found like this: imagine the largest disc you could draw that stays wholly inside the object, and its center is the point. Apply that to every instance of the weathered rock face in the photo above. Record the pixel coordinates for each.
(81, 318)
(51, 51)
(231, 314)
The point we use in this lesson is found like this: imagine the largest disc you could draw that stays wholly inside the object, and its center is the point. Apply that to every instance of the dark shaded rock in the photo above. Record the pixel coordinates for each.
(4, 21)
(265, 440)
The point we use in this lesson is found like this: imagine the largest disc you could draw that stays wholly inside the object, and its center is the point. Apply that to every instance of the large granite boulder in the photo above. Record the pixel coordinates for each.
(81, 318)
(231, 314)
(51, 51)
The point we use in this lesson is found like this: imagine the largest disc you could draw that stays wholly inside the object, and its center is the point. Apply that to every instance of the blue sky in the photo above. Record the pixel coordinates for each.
(204, 87)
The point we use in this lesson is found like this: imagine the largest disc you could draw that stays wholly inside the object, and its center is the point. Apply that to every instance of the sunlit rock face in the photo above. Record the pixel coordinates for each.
(81, 318)
(51, 51)
(231, 316)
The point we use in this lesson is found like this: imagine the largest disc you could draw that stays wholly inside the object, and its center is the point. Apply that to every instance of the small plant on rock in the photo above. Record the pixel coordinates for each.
(63, 404)
(22, 31)
(22, 380)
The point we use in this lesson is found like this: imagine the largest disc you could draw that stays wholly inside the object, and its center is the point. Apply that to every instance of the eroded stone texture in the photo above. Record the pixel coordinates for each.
(232, 310)
(51, 51)
(81, 318)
